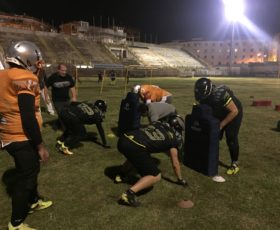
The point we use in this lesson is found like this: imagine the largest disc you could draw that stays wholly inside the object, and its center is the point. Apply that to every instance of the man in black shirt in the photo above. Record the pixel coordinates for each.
(61, 83)
(138, 145)
(74, 117)
(228, 109)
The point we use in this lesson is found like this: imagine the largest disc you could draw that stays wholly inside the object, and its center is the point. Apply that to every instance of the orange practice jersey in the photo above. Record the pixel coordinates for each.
(12, 83)
(153, 93)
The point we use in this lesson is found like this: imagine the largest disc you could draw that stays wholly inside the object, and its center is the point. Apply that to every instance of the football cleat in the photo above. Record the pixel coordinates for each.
(233, 169)
(128, 198)
(62, 148)
(40, 205)
(22, 226)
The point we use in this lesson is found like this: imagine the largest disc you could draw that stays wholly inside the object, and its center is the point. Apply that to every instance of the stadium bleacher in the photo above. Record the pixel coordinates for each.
(58, 47)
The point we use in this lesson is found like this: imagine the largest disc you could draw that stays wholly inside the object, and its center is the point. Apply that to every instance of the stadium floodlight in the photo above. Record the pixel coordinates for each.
(234, 10)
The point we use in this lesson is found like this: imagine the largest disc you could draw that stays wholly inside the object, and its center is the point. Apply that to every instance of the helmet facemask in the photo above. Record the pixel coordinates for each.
(178, 125)
(203, 89)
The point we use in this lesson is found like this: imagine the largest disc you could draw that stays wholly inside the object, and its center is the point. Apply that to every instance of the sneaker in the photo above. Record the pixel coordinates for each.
(218, 179)
(62, 148)
(128, 198)
(233, 169)
(65, 150)
(40, 205)
(22, 226)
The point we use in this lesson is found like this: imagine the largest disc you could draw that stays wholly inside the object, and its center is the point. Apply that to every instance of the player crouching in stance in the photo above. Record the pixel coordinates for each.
(20, 122)
(228, 109)
(74, 117)
(138, 145)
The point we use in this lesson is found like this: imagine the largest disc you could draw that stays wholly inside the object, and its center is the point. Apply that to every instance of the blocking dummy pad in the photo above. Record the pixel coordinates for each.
(202, 141)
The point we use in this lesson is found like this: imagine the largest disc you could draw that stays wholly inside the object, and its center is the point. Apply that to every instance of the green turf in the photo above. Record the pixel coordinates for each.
(85, 198)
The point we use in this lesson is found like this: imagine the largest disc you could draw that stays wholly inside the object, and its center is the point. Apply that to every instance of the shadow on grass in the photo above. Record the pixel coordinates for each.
(91, 136)
(222, 164)
(131, 178)
(54, 124)
(9, 179)
(174, 181)
(113, 171)
(275, 130)
(169, 180)
(115, 131)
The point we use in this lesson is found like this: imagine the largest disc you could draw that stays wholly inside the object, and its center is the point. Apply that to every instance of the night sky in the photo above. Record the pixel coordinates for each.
(165, 20)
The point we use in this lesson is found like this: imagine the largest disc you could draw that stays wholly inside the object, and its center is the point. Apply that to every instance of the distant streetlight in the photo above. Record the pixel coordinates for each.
(234, 12)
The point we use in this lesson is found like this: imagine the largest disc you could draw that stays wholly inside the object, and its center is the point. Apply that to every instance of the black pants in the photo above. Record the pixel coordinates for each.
(59, 106)
(24, 191)
(138, 156)
(74, 129)
(231, 132)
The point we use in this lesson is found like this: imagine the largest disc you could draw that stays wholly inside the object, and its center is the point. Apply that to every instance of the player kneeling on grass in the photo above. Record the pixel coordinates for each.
(138, 145)
(74, 117)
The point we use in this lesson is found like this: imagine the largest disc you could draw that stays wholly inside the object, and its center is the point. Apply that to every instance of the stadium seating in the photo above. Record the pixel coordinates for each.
(72, 50)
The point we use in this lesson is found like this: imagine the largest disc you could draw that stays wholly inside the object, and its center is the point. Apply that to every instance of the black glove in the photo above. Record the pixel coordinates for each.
(182, 182)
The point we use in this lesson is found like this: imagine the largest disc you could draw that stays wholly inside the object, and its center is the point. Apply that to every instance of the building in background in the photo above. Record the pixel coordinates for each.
(24, 22)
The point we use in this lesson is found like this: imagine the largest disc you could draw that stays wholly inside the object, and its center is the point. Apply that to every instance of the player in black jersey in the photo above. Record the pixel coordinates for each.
(74, 117)
(138, 145)
(228, 109)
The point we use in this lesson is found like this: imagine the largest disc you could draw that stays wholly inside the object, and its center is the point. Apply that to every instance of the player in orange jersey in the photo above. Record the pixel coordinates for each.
(152, 93)
(20, 124)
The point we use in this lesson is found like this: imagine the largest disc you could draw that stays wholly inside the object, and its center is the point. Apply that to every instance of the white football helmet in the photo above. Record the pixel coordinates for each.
(25, 54)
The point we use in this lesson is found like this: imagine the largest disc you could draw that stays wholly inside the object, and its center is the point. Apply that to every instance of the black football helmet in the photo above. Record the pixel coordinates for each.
(176, 123)
(202, 89)
(101, 105)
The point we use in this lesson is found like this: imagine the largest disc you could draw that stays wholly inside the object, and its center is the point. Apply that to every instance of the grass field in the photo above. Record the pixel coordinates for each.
(85, 198)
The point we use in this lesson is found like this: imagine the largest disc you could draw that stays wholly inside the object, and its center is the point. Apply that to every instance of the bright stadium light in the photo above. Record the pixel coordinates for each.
(234, 10)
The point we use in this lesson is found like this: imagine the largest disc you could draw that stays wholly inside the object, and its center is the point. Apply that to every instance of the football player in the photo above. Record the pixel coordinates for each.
(74, 117)
(228, 109)
(20, 124)
(152, 93)
(137, 147)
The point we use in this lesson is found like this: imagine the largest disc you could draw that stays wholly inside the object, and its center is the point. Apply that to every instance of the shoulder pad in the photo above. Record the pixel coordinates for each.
(219, 92)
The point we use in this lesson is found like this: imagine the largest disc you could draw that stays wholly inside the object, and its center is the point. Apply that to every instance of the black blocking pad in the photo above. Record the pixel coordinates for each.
(202, 135)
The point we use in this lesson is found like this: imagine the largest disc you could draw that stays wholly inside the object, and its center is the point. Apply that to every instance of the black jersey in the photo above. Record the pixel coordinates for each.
(156, 137)
(86, 112)
(60, 86)
(221, 96)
